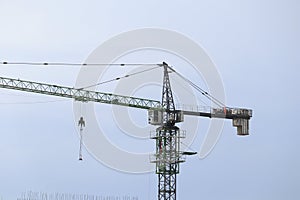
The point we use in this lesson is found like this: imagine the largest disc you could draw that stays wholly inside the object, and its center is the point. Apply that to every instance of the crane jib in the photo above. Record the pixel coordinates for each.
(240, 117)
(77, 94)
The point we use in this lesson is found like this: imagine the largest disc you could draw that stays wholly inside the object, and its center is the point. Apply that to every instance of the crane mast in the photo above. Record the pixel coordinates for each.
(164, 114)
(167, 143)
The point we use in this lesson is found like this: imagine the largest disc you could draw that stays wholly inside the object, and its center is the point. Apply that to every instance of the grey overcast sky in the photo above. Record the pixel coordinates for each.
(255, 46)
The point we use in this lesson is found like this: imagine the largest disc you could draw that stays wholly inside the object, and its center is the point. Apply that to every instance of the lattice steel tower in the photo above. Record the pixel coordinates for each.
(168, 156)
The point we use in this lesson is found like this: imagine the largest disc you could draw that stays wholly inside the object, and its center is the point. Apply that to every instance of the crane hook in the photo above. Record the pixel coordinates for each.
(81, 124)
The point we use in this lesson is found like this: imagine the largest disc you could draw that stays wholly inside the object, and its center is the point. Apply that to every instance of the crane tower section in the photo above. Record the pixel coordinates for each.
(167, 156)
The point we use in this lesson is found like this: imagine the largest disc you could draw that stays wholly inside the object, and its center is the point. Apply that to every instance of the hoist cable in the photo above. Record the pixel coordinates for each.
(33, 102)
(203, 92)
(74, 64)
(118, 78)
(182, 86)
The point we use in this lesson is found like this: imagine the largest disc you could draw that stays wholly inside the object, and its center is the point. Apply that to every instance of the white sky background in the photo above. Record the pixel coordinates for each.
(255, 46)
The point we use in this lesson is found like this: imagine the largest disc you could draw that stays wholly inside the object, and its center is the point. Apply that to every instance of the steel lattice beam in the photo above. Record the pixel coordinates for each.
(77, 94)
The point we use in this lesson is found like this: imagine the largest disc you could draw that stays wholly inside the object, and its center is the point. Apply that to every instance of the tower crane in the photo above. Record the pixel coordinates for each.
(162, 113)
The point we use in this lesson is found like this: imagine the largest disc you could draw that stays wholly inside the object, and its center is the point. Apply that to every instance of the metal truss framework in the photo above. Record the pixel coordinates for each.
(77, 94)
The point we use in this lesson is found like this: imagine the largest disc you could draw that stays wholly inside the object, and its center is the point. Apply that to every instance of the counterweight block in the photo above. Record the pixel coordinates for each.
(242, 126)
